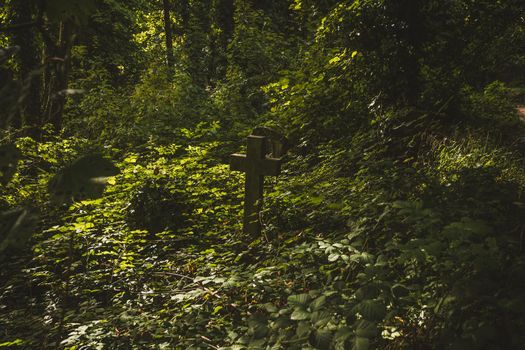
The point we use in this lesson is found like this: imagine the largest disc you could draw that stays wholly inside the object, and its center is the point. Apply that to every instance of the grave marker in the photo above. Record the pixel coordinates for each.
(256, 165)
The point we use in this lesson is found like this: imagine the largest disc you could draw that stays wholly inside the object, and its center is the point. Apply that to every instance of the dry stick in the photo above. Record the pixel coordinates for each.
(209, 340)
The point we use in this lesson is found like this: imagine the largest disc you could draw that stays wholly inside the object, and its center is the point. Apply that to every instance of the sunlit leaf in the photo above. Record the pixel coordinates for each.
(299, 314)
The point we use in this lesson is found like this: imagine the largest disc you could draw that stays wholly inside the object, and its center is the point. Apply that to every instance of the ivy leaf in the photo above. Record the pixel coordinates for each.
(83, 179)
(9, 157)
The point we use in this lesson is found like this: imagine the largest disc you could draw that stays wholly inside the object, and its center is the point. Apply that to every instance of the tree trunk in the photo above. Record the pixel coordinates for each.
(183, 9)
(409, 13)
(225, 21)
(197, 42)
(58, 61)
(29, 115)
(169, 37)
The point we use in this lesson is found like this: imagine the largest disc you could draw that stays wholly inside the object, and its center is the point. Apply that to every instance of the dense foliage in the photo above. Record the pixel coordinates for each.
(398, 221)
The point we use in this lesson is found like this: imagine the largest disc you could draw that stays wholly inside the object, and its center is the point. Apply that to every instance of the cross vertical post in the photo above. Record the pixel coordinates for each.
(256, 165)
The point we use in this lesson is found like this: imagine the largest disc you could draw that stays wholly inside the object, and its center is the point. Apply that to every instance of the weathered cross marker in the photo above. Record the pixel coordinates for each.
(256, 165)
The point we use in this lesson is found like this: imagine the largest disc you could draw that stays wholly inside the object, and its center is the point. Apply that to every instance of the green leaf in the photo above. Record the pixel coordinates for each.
(257, 344)
(366, 329)
(269, 307)
(318, 303)
(300, 314)
(372, 310)
(320, 339)
(9, 157)
(299, 300)
(321, 318)
(282, 322)
(258, 326)
(360, 343)
(303, 328)
(12, 343)
(334, 60)
(369, 291)
(333, 257)
(343, 333)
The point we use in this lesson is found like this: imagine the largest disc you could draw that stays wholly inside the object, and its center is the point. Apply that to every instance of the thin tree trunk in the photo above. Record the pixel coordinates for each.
(225, 21)
(23, 36)
(169, 37)
(58, 58)
(184, 12)
(197, 42)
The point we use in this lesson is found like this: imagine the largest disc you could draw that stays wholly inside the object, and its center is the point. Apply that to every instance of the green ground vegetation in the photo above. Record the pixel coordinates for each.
(398, 221)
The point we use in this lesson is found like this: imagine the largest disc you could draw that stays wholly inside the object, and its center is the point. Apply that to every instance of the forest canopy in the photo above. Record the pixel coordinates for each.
(397, 220)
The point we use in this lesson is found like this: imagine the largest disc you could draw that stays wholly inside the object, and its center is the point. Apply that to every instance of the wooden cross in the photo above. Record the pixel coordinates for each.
(256, 165)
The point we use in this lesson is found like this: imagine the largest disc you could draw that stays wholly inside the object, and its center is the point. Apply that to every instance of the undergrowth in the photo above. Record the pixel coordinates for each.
(362, 250)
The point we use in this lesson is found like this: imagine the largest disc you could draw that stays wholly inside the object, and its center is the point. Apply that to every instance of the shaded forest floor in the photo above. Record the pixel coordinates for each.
(362, 248)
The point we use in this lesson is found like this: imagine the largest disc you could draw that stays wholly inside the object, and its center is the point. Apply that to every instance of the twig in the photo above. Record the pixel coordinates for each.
(209, 340)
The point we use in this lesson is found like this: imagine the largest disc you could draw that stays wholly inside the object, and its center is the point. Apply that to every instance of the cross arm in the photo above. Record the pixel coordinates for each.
(270, 166)
(238, 162)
